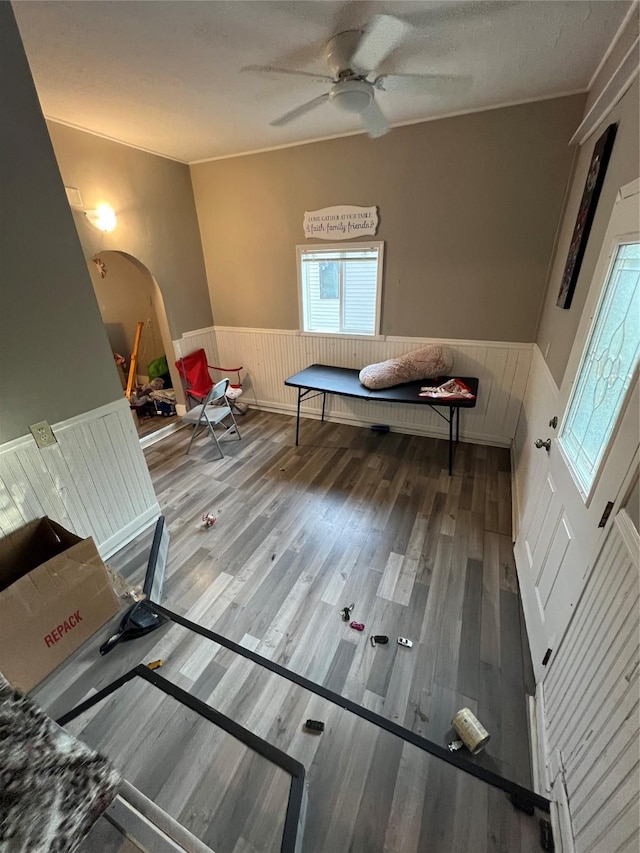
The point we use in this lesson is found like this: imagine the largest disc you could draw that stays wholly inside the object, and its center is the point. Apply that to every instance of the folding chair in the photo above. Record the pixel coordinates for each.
(234, 391)
(194, 372)
(213, 413)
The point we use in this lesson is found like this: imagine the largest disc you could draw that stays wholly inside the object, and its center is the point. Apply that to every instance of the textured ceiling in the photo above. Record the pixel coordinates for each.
(165, 76)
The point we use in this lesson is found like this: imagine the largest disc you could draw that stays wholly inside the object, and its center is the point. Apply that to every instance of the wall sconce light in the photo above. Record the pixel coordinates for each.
(103, 217)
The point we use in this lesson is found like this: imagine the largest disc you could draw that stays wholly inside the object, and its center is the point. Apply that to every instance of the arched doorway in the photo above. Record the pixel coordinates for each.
(128, 294)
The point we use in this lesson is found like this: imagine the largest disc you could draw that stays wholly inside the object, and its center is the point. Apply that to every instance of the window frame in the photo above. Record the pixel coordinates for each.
(308, 248)
(586, 492)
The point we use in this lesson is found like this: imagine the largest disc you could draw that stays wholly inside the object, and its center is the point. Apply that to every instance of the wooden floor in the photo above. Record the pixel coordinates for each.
(348, 516)
(105, 838)
(147, 426)
(368, 790)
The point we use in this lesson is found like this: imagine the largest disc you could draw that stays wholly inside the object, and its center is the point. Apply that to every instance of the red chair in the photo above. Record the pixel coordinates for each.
(197, 381)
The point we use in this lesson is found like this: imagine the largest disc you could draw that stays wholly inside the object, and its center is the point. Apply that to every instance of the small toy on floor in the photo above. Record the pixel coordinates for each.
(208, 520)
(346, 612)
(358, 626)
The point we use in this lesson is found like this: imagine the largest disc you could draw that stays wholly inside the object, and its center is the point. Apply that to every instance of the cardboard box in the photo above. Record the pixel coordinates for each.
(54, 594)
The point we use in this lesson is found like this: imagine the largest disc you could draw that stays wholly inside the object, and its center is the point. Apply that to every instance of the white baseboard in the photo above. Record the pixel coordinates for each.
(555, 791)
(269, 356)
(128, 533)
(541, 758)
(159, 434)
(414, 429)
(534, 746)
(149, 826)
(561, 819)
(515, 505)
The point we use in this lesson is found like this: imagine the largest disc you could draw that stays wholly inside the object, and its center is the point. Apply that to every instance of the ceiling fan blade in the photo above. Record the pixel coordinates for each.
(299, 111)
(271, 69)
(373, 121)
(423, 84)
(383, 33)
(464, 13)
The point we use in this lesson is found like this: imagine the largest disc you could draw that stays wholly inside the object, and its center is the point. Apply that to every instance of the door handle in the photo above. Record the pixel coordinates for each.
(546, 444)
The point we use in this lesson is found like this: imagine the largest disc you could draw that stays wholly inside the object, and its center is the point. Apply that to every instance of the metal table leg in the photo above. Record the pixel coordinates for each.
(451, 417)
(298, 416)
(303, 394)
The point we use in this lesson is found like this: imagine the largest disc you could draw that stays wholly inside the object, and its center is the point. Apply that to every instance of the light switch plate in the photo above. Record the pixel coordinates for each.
(43, 434)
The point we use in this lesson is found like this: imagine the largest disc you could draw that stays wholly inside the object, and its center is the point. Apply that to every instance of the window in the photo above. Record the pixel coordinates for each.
(608, 365)
(329, 280)
(340, 288)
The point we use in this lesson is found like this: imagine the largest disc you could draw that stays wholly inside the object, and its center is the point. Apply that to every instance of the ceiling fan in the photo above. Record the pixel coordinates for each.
(353, 56)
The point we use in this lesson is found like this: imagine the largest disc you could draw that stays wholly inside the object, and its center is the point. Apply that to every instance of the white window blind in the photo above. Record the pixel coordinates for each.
(340, 288)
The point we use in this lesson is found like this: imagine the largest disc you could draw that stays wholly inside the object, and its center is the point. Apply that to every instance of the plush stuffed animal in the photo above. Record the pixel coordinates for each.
(425, 363)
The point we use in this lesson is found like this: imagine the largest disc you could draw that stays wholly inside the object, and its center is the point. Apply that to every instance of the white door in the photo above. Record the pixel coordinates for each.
(591, 452)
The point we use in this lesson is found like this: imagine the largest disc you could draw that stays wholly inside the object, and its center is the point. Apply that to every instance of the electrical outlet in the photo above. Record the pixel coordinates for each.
(43, 434)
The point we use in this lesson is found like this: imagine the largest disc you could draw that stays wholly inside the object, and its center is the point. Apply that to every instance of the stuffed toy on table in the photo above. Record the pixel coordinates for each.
(426, 363)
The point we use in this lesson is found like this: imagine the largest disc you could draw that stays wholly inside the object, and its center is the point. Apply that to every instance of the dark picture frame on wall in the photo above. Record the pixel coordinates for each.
(588, 204)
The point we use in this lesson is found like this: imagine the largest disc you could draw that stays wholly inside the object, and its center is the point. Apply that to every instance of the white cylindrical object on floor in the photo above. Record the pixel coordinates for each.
(470, 730)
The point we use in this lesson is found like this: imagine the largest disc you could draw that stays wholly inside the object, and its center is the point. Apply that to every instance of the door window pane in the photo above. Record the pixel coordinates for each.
(607, 368)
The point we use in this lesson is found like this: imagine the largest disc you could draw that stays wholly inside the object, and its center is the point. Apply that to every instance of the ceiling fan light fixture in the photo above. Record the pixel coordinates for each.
(352, 96)
(353, 57)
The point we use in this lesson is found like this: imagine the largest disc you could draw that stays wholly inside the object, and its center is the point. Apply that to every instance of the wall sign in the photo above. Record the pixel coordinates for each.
(342, 222)
(595, 180)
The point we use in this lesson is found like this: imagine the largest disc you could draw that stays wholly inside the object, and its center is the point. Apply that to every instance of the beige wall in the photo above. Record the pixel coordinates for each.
(469, 207)
(558, 326)
(125, 296)
(157, 224)
(55, 360)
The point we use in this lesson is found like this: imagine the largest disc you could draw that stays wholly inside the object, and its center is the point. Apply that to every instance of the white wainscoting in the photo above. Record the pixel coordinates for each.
(529, 465)
(269, 356)
(94, 481)
(591, 702)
